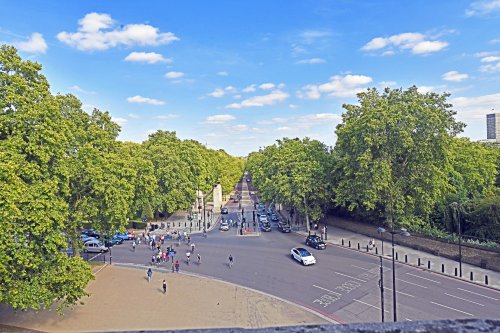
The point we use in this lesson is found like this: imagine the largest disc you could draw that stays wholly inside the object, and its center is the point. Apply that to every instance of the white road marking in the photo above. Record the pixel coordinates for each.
(351, 277)
(330, 291)
(464, 299)
(366, 269)
(420, 277)
(408, 319)
(444, 306)
(373, 306)
(478, 294)
(412, 283)
(400, 292)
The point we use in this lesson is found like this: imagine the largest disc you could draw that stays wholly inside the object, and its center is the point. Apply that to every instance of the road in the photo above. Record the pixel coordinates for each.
(342, 285)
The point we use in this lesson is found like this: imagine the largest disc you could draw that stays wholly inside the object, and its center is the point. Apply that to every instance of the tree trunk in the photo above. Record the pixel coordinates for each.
(308, 226)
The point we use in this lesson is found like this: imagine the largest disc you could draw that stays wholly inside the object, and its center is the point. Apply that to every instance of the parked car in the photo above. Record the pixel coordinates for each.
(316, 242)
(266, 226)
(86, 238)
(224, 210)
(274, 217)
(303, 256)
(131, 234)
(91, 233)
(224, 226)
(284, 227)
(115, 240)
(94, 246)
(123, 236)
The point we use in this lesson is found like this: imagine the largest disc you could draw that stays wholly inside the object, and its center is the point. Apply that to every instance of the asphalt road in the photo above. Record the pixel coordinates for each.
(342, 285)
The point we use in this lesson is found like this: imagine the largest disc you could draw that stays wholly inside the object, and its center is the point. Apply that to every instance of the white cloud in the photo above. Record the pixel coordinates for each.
(239, 128)
(94, 33)
(219, 119)
(147, 57)
(490, 68)
(222, 73)
(217, 93)
(311, 61)
(416, 42)
(250, 88)
(482, 7)
(144, 100)
(284, 129)
(80, 90)
(293, 106)
(495, 41)
(257, 101)
(310, 36)
(134, 116)
(339, 86)
(385, 84)
(174, 75)
(490, 59)
(267, 86)
(119, 121)
(454, 76)
(231, 89)
(167, 116)
(36, 44)
(475, 107)
(237, 96)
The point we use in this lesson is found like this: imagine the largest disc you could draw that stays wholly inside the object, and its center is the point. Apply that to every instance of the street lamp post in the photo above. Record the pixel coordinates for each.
(457, 208)
(402, 233)
(381, 285)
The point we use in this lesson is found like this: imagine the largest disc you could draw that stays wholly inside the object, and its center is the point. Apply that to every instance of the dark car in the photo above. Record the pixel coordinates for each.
(266, 226)
(91, 233)
(224, 211)
(284, 227)
(274, 217)
(316, 242)
(115, 240)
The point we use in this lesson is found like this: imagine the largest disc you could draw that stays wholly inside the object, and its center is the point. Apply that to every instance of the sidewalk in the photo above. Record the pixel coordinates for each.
(342, 237)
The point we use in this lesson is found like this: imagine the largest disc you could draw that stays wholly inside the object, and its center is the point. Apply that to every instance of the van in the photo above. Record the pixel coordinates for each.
(94, 246)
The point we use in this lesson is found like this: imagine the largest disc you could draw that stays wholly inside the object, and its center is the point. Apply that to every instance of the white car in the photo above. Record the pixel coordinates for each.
(303, 256)
(94, 246)
(263, 219)
(224, 226)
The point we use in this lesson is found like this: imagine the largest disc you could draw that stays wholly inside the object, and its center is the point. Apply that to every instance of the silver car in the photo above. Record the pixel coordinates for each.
(94, 246)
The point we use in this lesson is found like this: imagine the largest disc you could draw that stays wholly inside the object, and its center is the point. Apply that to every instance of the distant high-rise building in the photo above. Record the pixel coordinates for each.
(493, 126)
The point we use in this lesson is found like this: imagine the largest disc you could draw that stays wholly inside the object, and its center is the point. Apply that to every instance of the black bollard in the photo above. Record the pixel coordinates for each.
(471, 276)
(376, 250)
(367, 248)
(358, 246)
(104, 260)
(397, 256)
(418, 262)
(406, 258)
(349, 243)
(442, 268)
(429, 264)
(342, 242)
(486, 279)
(456, 271)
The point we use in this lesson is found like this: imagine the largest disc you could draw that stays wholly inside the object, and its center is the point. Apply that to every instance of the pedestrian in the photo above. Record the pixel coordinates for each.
(133, 246)
(172, 266)
(149, 274)
(177, 266)
(164, 286)
(192, 247)
(153, 258)
(199, 259)
(163, 256)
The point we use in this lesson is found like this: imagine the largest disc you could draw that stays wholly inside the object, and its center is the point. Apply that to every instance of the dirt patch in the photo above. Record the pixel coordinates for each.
(478, 257)
(123, 300)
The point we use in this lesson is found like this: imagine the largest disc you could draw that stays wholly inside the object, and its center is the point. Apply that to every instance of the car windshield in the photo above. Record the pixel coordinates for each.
(304, 252)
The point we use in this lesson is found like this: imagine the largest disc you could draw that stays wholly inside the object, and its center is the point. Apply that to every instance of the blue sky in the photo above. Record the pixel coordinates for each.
(238, 75)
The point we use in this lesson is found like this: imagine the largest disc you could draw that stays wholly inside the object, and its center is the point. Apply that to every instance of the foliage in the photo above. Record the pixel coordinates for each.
(293, 172)
(392, 151)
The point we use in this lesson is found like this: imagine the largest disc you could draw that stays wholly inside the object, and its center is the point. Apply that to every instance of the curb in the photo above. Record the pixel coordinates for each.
(479, 284)
(318, 314)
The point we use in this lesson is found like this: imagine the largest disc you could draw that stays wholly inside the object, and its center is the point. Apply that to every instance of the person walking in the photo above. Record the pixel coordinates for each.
(133, 246)
(230, 261)
(199, 259)
(164, 286)
(149, 274)
(177, 266)
(188, 257)
(192, 247)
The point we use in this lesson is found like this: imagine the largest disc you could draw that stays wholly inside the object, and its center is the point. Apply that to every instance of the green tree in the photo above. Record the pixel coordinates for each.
(34, 177)
(293, 172)
(392, 153)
